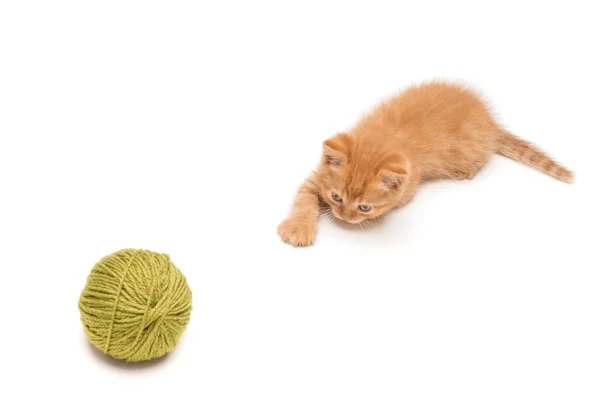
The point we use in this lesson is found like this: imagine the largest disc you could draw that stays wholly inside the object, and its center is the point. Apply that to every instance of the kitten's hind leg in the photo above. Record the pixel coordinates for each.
(471, 169)
(461, 175)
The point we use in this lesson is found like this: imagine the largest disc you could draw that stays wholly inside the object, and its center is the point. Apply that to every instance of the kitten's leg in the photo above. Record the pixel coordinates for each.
(472, 169)
(460, 175)
(300, 228)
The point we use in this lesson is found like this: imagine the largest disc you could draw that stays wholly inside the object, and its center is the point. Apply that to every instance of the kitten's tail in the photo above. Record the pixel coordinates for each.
(524, 152)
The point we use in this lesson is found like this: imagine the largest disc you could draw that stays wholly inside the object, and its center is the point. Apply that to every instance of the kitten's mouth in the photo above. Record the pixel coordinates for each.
(353, 221)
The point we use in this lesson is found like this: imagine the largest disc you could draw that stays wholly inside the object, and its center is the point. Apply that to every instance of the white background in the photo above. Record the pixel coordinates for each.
(186, 127)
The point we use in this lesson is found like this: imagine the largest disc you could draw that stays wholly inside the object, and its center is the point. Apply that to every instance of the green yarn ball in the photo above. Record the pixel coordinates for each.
(135, 305)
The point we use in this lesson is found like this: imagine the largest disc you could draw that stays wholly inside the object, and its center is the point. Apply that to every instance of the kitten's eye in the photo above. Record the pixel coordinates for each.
(364, 208)
(336, 197)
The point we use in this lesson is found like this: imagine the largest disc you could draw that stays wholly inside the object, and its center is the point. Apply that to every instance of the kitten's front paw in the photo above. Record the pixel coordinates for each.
(298, 232)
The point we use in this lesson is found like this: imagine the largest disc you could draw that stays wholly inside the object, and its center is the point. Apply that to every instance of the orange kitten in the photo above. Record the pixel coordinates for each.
(432, 131)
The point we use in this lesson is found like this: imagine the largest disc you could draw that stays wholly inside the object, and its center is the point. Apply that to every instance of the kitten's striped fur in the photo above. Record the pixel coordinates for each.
(432, 131)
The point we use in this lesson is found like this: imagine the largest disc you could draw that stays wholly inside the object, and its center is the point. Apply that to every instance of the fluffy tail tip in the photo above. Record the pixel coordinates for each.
(566, 176)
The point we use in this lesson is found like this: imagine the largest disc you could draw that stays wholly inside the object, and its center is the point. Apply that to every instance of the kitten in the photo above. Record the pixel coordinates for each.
(431, 131)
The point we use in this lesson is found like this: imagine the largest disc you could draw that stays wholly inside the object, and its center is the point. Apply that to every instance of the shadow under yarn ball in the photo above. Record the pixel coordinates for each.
(135, 305)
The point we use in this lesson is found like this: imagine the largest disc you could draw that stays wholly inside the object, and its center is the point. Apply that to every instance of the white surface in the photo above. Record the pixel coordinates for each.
(185, 128)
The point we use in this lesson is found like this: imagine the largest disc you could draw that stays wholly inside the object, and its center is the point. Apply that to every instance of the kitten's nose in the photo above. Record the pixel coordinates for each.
(346, 215)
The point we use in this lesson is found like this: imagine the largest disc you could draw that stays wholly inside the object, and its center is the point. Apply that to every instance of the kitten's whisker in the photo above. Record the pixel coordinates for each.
(325, 212)
(371, 225)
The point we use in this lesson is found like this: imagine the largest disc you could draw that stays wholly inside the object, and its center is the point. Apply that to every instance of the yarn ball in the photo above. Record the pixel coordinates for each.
(135, 305)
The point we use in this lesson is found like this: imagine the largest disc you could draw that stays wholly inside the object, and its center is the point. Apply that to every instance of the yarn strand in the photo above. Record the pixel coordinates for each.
(112, 319)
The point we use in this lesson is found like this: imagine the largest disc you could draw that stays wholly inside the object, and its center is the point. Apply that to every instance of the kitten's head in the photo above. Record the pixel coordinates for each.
(358, 180)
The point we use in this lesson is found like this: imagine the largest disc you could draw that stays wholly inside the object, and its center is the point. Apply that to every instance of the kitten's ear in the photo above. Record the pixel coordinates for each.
(337, 149)
(394, 176)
